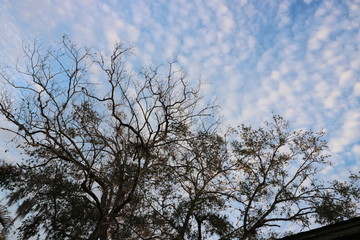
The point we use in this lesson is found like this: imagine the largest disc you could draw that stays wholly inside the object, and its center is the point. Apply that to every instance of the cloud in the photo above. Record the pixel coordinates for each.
(357, 89)
(345, 77)
(348, 134)
(283, 13)
(297, 58)
(12, 37)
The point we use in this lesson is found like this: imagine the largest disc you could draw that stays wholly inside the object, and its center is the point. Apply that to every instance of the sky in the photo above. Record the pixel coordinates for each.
(297, 58)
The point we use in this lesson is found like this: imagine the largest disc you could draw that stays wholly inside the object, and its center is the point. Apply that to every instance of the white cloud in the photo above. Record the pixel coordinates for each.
(331, 100)
(112, 35)
(224, 18)
(323, 33)
(275, 75)
(354, 7)
(356, 149)
(348, 133)
(283, 13)
(307, 71)
(321, 88)
(345, 78)
(314, 44)
(357, 89)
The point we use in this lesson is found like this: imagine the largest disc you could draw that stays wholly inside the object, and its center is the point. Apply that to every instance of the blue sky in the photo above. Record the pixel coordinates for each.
(297, 58)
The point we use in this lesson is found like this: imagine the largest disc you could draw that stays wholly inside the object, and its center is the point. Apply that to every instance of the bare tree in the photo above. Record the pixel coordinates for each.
(109, 154)
(107, 142)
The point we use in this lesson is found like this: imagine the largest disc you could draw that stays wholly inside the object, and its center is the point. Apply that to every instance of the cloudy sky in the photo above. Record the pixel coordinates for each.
(297, 58)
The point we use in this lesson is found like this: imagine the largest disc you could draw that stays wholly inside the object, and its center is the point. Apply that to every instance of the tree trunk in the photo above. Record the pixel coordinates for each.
(199, 230)
(247, 234)
(100, 233)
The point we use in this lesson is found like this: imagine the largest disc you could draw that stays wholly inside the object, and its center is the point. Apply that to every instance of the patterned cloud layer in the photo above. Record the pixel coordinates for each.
(299, 59)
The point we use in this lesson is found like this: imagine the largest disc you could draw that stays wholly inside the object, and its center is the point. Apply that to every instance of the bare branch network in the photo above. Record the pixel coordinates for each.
(109, 154)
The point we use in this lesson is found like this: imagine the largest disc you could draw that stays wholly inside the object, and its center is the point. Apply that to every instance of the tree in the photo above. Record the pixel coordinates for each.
(90, 151)
(5, 221)
(277, 181)
(185, 199)
(108, 154)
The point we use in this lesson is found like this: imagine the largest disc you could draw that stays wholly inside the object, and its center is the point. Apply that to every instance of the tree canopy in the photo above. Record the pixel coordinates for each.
(109, 154)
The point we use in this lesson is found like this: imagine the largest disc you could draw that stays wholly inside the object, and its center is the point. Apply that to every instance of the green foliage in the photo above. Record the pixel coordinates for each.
(335, 206)
(50, 198)
(5, 220)
(142, 157)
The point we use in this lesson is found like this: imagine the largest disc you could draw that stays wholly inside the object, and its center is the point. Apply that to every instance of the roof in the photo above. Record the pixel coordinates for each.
(349, 229)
